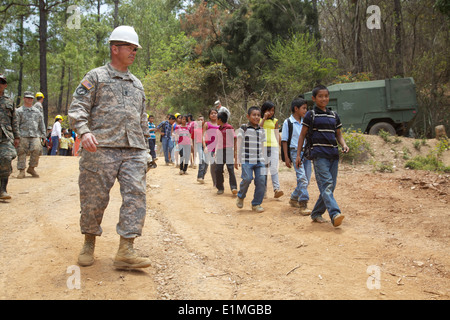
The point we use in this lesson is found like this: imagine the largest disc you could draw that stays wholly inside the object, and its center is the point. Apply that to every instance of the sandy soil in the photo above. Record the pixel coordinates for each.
(392, 244)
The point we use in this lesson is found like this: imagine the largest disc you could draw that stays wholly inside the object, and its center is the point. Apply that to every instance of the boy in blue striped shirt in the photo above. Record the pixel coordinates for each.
(326, 134)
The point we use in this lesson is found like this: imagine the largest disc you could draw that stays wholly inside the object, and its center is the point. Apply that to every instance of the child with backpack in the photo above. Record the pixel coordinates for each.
(324, 127)
(290, 133)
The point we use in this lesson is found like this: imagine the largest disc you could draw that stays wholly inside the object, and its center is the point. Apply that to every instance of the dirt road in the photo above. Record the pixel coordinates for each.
(393, 243)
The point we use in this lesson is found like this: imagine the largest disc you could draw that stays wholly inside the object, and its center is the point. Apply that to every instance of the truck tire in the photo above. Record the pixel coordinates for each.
(375, 129)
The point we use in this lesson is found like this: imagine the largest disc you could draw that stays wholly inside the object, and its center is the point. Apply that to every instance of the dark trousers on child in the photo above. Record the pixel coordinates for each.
(185, 152)
(151, 145)
(225, 157)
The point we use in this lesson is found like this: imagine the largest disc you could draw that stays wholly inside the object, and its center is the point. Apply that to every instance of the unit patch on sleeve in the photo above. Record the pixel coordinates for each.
(81, 91)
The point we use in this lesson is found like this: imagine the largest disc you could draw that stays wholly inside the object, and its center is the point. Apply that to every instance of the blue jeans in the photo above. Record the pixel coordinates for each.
(260, 181)
(303, 175)
(326, 171)
(167, 147)
(55, 145)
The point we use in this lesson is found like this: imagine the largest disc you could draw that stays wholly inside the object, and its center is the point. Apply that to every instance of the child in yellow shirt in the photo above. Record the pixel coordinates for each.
(271, 145)
(65, 144)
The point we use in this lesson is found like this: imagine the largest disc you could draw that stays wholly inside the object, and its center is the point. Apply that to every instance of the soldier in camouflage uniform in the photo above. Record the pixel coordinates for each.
(9, 137)
(39, 101)
(108, 112)
(31, 130)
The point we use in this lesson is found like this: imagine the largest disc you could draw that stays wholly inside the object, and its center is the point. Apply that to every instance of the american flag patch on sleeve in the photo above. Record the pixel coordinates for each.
(87, 84)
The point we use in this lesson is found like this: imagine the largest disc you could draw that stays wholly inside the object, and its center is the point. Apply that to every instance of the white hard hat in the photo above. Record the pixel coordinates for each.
(125, 34)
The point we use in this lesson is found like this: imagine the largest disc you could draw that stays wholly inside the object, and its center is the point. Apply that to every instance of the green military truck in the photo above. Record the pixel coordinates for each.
(371, 106)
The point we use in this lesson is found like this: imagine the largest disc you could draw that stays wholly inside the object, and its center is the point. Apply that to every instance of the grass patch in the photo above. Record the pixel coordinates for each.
(432, 161)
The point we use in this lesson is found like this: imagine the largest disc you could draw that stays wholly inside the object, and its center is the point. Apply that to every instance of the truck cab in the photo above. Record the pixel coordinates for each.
(371, 106)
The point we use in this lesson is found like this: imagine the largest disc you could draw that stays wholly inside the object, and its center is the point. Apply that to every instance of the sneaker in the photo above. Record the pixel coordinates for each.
(220, 191)
(239, 203)
(201, 180)
(337, 219)
(303, 209)
(319, 219)
(181, 172)
(278, 193)
(294, 203)
(234, 191)
(4, 195)
(258, 208)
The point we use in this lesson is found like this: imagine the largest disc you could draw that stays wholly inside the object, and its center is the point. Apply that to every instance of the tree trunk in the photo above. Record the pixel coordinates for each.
(398, 38)
(20, 44)
(358, 65)
(61, 87)
(69, 76)
(116, 13)
(43, 56)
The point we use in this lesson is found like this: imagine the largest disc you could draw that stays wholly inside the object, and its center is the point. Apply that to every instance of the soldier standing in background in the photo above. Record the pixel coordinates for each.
(108, 113)
(9, 137)
(31, 130)
(39, 101)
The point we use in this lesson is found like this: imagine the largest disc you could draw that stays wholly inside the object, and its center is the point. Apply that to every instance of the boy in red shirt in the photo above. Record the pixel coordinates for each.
(225, 153)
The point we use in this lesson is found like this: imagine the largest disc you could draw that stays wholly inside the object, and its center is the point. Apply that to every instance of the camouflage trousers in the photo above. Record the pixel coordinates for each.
(32, 146)
(98, 173)
(7, 154)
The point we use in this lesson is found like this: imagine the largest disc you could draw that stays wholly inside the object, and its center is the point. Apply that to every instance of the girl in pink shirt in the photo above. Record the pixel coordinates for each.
(210, 132)
(183, 137)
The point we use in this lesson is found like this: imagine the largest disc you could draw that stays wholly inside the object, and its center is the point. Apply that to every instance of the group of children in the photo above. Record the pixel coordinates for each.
(65, 145)
(255, 148)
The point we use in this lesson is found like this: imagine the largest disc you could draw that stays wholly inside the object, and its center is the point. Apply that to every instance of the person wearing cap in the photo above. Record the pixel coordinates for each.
(9, 137)
(31, 130)
(220, 108)
(39, 101)
(108, 112)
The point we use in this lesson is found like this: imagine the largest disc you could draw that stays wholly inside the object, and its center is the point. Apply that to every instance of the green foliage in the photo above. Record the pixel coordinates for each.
(181, 88)
(431, 161)
(386, 136)
(358, 145)
(384, 166)
(298, 64)
(297, 67)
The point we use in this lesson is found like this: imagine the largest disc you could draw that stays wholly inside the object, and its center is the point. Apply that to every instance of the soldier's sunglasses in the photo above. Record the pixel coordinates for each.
(127, 45)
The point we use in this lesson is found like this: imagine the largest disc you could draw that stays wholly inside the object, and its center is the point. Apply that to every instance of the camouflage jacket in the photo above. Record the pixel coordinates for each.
(9, 129)
(39, 106)
(111, 105)
(31, 122)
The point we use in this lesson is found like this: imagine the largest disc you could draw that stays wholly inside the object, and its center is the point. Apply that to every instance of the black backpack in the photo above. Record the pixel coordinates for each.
(290, 127)
(307, 149)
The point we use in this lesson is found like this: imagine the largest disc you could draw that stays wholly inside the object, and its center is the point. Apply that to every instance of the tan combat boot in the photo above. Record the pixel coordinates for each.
(21, 174)
(86, 257)
(303, 210)
(32, 172)
(126, 257)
